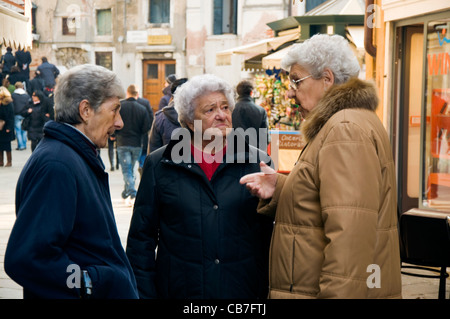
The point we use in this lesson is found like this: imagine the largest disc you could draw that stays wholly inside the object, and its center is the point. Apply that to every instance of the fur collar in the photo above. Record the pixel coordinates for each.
(353, 94)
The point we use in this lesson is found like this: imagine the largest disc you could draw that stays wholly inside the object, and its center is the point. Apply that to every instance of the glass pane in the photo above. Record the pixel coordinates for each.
(104, 59)
(159, 11)
(152, 71)
(169, 69)
(415, 107)
(104, 22)
(437, 149)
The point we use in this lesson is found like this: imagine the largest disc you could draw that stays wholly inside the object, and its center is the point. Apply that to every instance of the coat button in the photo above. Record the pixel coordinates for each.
(215, 207)
(217, 261)
(189, 166)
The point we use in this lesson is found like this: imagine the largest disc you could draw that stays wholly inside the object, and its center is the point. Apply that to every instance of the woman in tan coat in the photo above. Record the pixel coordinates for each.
(335, 232)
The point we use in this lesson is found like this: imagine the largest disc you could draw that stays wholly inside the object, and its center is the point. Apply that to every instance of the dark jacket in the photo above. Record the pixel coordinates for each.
(136, 123)
(164, 101)
(145, 103)
(247, 114)
(166, 121)
(48, 72)
(8, 61)
(211, 242)
(16, 77)
(65, 217)
(21, 100)
(7, 114)
(23, 62)
(35, 130)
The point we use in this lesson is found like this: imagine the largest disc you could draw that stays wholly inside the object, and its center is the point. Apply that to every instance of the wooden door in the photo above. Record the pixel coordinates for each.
(154, 79)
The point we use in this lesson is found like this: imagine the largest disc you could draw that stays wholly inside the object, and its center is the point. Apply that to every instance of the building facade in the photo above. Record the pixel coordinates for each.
(142, 41)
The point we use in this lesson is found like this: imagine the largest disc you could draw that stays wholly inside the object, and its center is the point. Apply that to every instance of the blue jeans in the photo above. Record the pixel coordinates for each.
(128, 156)
(20, 134)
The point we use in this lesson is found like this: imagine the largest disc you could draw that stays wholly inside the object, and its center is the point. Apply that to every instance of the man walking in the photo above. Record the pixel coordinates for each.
(48, 73)
(21, 100)
(247, 114)
(64, 243)
(136, 123)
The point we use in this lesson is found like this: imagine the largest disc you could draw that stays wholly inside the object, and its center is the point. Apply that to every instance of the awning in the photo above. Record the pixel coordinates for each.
(260, 47)
(274, 60)
(15, 28)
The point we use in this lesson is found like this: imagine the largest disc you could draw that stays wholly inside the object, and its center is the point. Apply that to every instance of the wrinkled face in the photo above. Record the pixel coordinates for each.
(101, 124)
(213, 112)
(308, 92)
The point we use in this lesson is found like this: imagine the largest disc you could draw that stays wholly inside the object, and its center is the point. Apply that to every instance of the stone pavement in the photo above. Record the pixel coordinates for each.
(413, 287)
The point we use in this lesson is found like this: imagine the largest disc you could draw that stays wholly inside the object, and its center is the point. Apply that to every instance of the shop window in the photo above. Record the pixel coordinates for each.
(69, 26)
(104, 23)
(436, 188)
(159, 11)
(104, 59)
(225, 16)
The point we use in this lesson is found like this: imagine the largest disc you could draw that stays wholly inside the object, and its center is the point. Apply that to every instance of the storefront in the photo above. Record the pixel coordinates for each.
(412, 72)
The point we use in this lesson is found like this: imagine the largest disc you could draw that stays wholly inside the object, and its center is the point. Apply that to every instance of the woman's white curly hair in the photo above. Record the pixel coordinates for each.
(324, 51)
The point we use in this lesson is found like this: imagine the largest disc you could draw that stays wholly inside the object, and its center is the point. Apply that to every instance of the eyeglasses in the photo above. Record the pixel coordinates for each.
(293, 84)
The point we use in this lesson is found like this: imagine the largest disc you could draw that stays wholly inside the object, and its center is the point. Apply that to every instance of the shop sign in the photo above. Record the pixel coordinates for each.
(159, 39)
(290, 141)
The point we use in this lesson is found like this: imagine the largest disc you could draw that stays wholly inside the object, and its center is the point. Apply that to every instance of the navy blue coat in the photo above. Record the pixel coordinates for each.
(211, 242)
(65, 217)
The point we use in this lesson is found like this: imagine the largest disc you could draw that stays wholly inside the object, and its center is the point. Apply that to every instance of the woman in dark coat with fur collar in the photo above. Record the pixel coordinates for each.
(7, 128)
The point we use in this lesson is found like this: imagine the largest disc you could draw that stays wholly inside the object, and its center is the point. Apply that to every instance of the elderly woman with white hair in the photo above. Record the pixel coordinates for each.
(191, 208)
(335, 233)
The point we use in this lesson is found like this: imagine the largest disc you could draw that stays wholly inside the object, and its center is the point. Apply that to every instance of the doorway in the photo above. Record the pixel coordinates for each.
(408, 106)
(154, 79)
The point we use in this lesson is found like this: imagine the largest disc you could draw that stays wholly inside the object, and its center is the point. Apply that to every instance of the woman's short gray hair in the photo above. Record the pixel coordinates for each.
(84, 82)
(186, 95)
(324, 51)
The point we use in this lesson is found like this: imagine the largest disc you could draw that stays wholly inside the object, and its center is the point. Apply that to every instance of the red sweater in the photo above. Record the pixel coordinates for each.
(208, 162)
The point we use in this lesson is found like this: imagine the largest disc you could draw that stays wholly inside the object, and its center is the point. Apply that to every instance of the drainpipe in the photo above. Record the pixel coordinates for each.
(368, 32)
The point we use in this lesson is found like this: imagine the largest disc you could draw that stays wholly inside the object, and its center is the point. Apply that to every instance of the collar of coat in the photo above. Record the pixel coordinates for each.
(238, 151)
(353, 94)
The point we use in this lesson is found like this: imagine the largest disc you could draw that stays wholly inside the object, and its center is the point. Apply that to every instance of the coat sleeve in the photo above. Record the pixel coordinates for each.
(35, 256)
(350, 183)
(268, 206)
(143, 234)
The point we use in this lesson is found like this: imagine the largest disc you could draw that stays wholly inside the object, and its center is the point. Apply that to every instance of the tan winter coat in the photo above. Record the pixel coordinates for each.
(335, 232)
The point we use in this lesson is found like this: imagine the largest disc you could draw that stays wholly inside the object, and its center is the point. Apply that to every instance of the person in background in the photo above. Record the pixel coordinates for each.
(21, 101)
(336, 211)
(6, 126)
(34, 119)
(48, 72)
(16, 76)
(64, 243)
(247, 114)
(166, 121)
(36, 84)
(129, 140)
(8, 61)
(167, 94)
(211, 243)
(146, 103)
(23, 58)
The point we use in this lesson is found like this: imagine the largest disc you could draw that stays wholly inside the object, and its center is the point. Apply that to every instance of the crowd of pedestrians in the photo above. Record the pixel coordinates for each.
(211, 220)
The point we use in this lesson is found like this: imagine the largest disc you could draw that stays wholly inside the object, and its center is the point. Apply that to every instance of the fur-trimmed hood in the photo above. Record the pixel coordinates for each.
(352, 94)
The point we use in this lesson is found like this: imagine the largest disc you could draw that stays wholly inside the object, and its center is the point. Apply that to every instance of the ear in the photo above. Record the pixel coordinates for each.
(328, 78)
(85, 110)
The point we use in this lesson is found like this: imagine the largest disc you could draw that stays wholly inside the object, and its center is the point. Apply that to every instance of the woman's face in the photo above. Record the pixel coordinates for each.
(309, 91)
(214, 113)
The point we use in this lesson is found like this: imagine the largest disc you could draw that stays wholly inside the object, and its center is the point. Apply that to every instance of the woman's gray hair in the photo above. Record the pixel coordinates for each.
(186, 95)
(324, 51)
(84, 82)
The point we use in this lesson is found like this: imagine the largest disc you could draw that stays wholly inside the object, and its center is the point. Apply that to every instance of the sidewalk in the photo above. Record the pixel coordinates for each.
(413, 287)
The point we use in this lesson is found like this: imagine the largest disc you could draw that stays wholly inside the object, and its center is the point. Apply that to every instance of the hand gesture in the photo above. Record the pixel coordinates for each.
(261, 184)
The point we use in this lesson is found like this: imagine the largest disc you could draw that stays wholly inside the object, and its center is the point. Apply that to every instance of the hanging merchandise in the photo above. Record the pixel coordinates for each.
(271, 94)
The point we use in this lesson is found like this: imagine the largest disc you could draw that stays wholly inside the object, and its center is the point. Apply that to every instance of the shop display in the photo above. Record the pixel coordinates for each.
(271, 94)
